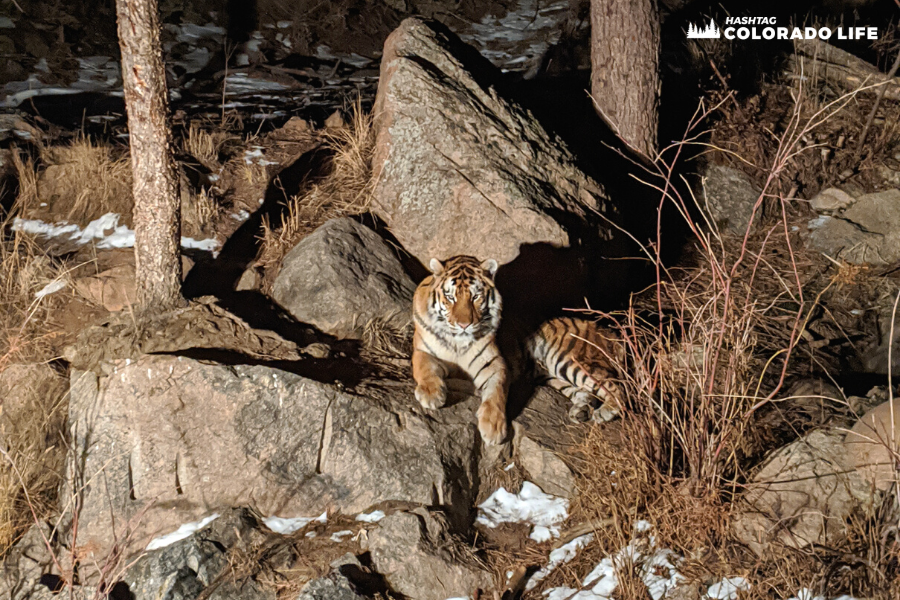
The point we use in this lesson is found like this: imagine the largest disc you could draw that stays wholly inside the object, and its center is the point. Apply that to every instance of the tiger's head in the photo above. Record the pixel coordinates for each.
(462, 300)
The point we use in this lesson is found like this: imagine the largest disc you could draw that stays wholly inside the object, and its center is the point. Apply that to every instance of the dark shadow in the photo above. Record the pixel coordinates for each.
(415, 269)
(120, 591)
(366, 580)
(341, 368)
(242, 17)
(219, 276)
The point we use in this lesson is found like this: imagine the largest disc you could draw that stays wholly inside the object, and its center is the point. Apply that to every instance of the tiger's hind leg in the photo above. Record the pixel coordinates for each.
(601, 405)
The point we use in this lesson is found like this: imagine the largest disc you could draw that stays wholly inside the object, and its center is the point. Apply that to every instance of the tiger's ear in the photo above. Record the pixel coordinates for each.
(491, 266)
(435, 266)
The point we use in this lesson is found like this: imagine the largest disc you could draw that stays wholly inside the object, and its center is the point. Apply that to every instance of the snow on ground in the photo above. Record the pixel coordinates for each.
(182, 532)
(289, 526)
(338, 536)
(105, 232)
(560, 556)
(531, 505)
(372, 517)
(255, 155)
(657, 567)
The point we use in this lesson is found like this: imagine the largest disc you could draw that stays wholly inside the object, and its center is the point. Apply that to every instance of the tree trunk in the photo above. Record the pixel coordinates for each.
(157, 205)
(625, 69)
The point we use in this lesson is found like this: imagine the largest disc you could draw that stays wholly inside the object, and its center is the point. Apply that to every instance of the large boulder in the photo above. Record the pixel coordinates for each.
(802, 495)
(866, 232)
(343, 276)
(420, 561)
(460, 170)
(873, 443)
(165, 440)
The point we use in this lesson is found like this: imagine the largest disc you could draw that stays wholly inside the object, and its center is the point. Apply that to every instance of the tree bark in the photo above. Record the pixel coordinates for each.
(625, 69)
(157, 205)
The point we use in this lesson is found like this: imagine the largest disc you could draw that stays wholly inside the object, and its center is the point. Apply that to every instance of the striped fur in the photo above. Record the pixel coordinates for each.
(578, 357)
(456, 312)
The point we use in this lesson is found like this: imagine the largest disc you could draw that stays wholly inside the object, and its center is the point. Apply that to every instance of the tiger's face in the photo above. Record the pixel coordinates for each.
(464, 301)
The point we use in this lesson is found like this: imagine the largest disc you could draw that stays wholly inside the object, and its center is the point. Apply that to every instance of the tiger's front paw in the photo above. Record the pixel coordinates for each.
(491, 423)
(431, 395)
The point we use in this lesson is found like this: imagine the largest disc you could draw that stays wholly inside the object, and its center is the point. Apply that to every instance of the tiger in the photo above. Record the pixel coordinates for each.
(457, 312)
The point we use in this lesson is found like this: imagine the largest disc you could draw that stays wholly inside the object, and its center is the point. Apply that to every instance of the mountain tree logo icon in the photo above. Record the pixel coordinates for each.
(710, 32)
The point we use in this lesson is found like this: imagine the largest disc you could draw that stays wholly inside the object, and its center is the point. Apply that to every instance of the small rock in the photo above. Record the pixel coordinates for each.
(335, 121)
(342, 276)
(419, 560)
(831, 199)
(335, 585)
(729, 196)
(544, 467)
(802, 495)
(872, 445)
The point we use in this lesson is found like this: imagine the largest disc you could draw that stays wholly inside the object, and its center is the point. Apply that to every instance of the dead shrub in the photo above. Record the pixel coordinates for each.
(84, 180)
(346, 190)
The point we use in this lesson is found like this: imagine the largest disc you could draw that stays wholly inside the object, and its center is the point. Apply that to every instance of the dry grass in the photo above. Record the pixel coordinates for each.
(32, 419)
(83, 181)
(709, 348)
(208, 144)
(347, 190)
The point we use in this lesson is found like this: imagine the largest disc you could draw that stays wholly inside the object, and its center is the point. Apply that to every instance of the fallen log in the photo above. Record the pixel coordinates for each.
(822, 61)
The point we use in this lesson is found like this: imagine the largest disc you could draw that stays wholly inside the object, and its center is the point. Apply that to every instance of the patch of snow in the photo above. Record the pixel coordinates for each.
(7, 23)
(806, 594)
(105, 230)
(338, 536)
(51, 288)
(284, 24)
(509, 466)
(255, 156)
(531, 505)
(727, 589)
(244, 83)
(658, 569)
(241, 215)
(181, 533)
(818, 222)
(289, 526)
(560, 556)
(372, 517)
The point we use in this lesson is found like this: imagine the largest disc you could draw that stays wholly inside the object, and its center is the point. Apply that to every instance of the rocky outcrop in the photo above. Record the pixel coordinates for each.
(343, 276)
(460, 170)
(866, 232)
(166, 440)
(802, 495)
(421, 561)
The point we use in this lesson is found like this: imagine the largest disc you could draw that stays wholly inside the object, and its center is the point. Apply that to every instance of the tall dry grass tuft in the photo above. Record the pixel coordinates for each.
(32, 419)
(347, 190)
(84, 181)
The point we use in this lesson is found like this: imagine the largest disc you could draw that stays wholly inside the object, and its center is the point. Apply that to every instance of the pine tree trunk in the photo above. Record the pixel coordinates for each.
(157, 205)
(625, 69)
